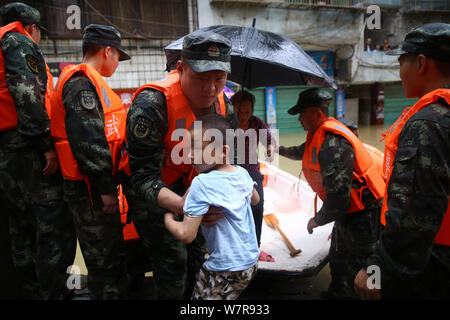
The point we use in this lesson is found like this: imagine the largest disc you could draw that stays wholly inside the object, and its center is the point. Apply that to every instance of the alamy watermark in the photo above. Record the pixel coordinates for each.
(372, 21)
(374, 279)
(73, 22)
(74, 278)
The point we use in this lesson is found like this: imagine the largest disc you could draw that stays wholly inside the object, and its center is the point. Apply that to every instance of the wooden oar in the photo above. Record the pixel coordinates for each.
(272, 221)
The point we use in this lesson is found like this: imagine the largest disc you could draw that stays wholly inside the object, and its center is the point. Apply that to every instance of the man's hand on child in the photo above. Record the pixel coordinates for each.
(211, 217)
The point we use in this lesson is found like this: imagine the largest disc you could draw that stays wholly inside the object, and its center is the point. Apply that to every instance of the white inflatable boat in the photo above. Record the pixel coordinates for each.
(291, 200)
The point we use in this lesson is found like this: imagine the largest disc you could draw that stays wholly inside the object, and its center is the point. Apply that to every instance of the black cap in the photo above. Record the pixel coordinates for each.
(18, 11)
(107, 36)
(349, 124)
(432, 40)
(207, 51)
(315, 97)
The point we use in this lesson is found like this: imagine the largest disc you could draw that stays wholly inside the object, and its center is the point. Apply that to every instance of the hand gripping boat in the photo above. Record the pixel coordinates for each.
(291, 200)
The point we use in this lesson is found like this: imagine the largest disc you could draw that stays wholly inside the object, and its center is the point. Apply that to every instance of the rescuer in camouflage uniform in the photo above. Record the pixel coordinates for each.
(98, 225)
(174, 264)
(352, 233)
(411, 264)
(42, 236)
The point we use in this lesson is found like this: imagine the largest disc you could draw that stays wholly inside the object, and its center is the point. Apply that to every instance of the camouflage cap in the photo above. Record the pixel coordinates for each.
(315, 97)
(432, 40)
(107, 36)
(207, 51)
(18, 11)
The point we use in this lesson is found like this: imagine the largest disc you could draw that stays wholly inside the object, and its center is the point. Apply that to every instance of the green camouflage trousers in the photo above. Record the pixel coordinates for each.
(351, 242)
(222, 285)
(9, 284)
(101, 242)
(175, 264)
(42, 236)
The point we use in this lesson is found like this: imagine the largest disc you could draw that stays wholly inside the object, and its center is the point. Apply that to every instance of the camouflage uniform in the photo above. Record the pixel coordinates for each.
(42, 237)
(170, 267)
(353, 234)
(9, 285)
(411, 265)
(222, 285)
(175, 264)
(99, 234)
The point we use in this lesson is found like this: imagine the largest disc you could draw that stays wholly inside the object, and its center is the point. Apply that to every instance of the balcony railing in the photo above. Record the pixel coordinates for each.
(348, 3)
(421, 5)
(428, 5)
(317, 3)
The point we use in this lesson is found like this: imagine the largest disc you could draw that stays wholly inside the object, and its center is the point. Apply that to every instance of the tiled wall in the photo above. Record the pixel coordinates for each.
(147, 63)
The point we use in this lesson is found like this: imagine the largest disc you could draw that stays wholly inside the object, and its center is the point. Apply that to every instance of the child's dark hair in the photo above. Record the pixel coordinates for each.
(214, 121)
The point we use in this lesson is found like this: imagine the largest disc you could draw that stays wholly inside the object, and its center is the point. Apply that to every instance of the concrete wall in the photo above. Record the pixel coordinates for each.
(311, 28)
(351, 109)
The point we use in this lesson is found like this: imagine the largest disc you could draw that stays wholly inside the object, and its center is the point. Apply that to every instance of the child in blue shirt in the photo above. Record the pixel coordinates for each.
(231, 242)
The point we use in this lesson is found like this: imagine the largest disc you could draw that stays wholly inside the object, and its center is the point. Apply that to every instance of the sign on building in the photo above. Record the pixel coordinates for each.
(340, 103)
(325, 59)
(271, 108)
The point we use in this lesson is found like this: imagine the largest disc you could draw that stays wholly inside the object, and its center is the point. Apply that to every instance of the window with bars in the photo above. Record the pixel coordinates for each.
(135, 19)
(348, 2)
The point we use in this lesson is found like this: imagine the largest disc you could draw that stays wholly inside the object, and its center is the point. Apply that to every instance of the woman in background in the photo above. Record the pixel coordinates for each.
(244, 103)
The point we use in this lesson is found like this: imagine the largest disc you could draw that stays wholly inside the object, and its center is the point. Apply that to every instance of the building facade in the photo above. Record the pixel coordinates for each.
(146, 27)
(334, 33)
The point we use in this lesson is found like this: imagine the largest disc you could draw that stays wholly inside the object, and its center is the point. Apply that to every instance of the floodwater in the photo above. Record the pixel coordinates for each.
(263, 288)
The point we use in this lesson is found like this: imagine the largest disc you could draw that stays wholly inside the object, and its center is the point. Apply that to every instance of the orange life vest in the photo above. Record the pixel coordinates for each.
(365, 171)
(49, 92)
(8, 113)
(180, 116)
(129, 231)
(376, 155)
(115, 121)
(391, 146)
(264, 172)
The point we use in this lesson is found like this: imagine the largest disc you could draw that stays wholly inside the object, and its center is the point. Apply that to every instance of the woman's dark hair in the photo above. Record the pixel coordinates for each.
(243, 95)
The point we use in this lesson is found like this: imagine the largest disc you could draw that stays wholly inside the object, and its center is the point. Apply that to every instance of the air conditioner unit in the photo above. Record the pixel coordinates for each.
(343, 71)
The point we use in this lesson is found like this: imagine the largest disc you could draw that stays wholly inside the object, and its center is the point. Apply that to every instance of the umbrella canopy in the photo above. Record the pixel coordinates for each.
(260, 59)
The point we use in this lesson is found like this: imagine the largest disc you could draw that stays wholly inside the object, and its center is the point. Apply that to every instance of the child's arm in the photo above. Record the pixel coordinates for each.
(185, 230)
(255, 197)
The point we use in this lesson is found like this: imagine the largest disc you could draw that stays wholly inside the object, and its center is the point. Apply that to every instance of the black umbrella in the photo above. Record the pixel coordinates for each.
(261, 59)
